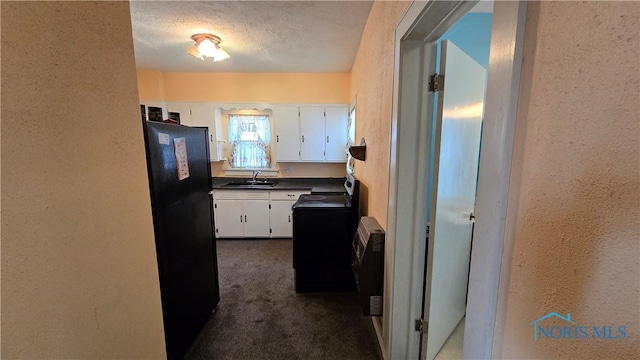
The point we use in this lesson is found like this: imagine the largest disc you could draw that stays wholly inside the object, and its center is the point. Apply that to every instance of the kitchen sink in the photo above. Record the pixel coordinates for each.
(251, 184)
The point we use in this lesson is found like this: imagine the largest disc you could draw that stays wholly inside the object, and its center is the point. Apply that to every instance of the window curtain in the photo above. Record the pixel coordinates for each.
(249, 136)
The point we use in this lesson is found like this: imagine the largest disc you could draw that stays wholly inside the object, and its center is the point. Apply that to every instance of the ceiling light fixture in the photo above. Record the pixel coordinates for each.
(207, 45)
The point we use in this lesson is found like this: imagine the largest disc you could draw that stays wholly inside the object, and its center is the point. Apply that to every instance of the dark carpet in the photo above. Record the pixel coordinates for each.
(261, 317)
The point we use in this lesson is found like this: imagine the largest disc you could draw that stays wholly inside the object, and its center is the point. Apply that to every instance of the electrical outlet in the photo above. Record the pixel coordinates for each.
(287, 169)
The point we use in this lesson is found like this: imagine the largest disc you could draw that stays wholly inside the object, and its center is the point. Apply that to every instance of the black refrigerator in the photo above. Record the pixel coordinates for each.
(180, 181)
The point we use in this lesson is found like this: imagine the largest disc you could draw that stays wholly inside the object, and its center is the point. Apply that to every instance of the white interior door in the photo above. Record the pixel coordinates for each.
(457, 148)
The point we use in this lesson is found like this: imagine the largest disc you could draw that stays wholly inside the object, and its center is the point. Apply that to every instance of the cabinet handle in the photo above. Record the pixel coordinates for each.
(327, 139)
(211, 136)
(277, 138)
(289, 218)
(290, 195)
(302, 138)
(245, 218)
(240, 218)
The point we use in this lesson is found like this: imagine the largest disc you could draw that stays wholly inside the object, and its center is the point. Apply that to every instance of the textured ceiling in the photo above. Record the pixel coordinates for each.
(260, 36)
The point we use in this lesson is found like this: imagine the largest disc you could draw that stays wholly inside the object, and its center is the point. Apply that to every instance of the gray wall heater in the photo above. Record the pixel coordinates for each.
(368, 265)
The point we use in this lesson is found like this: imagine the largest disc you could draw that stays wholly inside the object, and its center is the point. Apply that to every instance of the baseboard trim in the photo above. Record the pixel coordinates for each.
(377, 326)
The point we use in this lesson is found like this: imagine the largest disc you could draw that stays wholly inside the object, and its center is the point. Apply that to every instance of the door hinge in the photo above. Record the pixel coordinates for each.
(419, 325)
(215, 206)
(436, 83)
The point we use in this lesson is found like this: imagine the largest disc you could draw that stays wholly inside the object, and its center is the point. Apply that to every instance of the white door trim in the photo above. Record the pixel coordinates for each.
(491, 253)
(408, 178)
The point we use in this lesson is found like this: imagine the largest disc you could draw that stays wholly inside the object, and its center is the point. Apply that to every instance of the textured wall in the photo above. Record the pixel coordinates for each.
(577, 230)
(246, 87)
(79, 274)
(372, 85)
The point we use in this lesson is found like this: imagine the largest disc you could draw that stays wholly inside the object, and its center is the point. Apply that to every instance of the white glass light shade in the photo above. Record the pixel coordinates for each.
(207, 45)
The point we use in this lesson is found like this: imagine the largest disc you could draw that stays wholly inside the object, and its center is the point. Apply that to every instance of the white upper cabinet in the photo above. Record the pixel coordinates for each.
(198, 114)
(184, 109)
(287, 129)
(336, 119)
(312, 128)
(311, 133)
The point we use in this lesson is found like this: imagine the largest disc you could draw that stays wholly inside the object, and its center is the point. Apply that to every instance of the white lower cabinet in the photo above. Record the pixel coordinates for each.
(228, 218)
(254, 214)
(241, 213)
(256, 218)
(280, 215)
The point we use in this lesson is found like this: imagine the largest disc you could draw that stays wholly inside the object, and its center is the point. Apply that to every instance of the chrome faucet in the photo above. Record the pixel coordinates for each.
(254, 177)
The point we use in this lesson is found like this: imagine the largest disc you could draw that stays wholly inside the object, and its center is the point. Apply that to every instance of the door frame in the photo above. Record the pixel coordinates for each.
(408, 180)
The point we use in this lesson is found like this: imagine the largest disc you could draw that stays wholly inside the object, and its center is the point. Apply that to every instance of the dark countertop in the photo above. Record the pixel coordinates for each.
(316, 185)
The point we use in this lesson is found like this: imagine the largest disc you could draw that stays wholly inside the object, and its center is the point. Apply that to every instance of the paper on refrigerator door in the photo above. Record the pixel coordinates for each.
(163, 139)
(182, 162)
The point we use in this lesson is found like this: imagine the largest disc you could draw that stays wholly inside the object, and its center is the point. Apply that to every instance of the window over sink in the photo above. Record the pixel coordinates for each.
(246, 138)
(249, 139)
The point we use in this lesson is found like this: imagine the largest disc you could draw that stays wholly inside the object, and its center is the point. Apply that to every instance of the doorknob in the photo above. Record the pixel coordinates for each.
(472, 217)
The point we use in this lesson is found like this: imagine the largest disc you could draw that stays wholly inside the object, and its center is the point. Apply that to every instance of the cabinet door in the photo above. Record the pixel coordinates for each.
(287, 133)
(229, 218)
(336, 133)
(184, 109)
(256, 218)
(203, 114)
(198, 114)
(312, 133)
(280, 216)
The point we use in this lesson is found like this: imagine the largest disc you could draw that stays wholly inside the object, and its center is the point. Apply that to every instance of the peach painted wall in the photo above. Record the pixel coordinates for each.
(79, 272)
(372, 85)
(316, 88)
(577, 230)
(150, 85)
